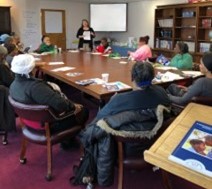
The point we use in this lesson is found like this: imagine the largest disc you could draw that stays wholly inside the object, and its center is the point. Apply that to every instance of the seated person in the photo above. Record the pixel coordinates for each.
(143, 97)
(201, 87)
(9, 40)
(104, 47)
(29, 90)
(6, 76)
(182, 60)
(3, 37)
(19, 45)
(143, 52)
(12, 51)
(45, 46)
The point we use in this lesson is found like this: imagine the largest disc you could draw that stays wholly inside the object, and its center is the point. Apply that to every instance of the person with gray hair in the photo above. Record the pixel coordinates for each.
(29, 90)
(6, 76)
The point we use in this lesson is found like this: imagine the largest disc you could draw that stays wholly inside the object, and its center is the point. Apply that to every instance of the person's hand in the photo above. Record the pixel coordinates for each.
(184, 88)
(92, 33)
(81, 36)
(78, 108)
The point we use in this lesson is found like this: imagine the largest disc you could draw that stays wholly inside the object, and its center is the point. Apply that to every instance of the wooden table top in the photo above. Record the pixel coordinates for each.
(92, 66)
(158, 154)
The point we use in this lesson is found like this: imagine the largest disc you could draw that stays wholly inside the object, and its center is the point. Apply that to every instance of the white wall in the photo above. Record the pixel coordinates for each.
(23, 11)
(140, 18)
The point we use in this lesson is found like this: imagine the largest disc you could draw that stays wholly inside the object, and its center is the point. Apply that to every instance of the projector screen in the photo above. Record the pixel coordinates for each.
(108, 17)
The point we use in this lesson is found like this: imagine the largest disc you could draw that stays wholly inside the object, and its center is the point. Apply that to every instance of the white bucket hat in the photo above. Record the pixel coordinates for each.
(23, 64)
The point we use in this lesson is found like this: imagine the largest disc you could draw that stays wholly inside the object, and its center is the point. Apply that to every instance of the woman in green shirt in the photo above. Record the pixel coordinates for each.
(182, 60)
(45, 46)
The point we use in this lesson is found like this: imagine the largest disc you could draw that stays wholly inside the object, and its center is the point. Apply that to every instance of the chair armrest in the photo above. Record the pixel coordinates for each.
(61, 116)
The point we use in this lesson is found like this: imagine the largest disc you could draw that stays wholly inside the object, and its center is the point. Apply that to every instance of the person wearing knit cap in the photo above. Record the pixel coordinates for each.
(201, 87)
(29, 90)
(3, 37)
(6, 76)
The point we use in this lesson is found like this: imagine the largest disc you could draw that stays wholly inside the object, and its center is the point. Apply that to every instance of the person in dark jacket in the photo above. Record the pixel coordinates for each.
(201, 87)
(6, 76)
(129, 112)
(29, 90)
(85, 35)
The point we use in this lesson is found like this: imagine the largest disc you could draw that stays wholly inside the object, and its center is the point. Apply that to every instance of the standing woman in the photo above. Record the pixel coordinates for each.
(85, 35)
(143, 52)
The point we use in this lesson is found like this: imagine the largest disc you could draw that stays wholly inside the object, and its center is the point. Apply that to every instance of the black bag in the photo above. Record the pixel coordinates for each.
(85, 173)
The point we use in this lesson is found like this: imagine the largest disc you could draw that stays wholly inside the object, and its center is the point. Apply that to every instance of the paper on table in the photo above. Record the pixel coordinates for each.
(55, 63)
(74, 51)
(116, 58)
(169, 76)
(122, 62)
(192, 73)
(116, 86)
(166, 68)
(96, 53)
(62, 69)
(87, 35)
(74, 74)
(106, 55)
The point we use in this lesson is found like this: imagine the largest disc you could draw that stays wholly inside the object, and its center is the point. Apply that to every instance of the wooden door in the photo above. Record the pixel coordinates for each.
(53, 24)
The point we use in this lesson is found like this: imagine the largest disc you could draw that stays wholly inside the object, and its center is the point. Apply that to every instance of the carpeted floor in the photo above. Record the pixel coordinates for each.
(14, 175)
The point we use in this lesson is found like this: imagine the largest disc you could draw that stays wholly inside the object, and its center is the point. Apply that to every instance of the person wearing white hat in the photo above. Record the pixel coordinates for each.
(29, 90)
(6, 76)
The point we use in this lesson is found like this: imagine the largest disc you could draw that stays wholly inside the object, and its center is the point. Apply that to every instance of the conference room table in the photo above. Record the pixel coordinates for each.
(160, 151)
(92, 65)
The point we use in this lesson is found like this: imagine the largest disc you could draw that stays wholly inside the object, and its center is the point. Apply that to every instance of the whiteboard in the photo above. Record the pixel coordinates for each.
(108, 17)
(53, 22)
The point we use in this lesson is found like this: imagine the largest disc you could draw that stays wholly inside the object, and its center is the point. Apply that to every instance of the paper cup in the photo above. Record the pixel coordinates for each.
(105, 77)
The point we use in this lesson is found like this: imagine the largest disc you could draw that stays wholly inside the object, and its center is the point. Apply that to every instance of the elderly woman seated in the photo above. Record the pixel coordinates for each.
(182, 60)
(131, 112)
(201, 87)
(29, 90)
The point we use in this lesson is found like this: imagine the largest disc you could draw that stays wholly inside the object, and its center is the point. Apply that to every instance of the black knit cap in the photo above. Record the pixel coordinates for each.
(207, 61)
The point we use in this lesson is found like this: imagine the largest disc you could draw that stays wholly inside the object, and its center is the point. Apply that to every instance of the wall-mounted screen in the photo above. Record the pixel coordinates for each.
(108, 17)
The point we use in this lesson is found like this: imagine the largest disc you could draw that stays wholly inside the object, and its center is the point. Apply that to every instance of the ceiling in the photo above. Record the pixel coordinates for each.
(109, 1)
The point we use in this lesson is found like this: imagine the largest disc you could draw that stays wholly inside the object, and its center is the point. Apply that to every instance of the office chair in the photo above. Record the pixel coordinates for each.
(37, 120)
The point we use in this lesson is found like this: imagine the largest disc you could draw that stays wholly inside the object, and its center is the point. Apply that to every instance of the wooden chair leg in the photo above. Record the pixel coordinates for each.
(23, 151)
(120, 165)
(166, 180)
(49, 154)
(49, 162)
(4, 137)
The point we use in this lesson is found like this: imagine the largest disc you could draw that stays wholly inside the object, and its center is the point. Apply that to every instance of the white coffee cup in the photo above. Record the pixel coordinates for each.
(105, 77)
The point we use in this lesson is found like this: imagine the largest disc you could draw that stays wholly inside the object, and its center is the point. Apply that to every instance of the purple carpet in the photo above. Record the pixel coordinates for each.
(14, 175)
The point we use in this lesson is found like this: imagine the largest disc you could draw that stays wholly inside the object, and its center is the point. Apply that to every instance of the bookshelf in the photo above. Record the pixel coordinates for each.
(190, 23)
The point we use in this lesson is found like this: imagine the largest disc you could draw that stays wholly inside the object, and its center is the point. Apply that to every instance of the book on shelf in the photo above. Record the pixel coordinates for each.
(206, 23)
(195, 149)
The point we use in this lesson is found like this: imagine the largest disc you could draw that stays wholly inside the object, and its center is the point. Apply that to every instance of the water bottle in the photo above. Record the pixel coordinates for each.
(55, 49)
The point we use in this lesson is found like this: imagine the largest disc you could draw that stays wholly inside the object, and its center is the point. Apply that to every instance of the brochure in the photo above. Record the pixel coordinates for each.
(116, 86)
(195, 149)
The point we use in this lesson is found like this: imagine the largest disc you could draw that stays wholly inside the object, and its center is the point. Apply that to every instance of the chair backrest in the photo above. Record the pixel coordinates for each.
(202, 100)
(39, 113)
